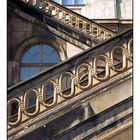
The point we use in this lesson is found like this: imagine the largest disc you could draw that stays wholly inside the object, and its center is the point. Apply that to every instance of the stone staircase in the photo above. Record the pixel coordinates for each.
(89, 73)
(87, 63)
(63, 22)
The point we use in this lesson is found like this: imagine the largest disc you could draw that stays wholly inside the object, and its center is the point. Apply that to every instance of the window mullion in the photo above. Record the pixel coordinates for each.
(40, 57)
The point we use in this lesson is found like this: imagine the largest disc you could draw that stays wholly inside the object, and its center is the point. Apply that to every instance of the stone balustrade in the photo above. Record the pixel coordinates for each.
(72, 19)
(68, 79)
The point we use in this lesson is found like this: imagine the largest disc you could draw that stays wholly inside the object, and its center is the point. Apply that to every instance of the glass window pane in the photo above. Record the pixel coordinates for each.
(33, 71)
(29, 53)
(58, 1)
(80, 1)
(24, 73)
(34, 49)
(54, 58)
(27, 72)
(47, 49)
(45, 58)
(50, 55)
(26, 57)
(68, 2)
(34, 58)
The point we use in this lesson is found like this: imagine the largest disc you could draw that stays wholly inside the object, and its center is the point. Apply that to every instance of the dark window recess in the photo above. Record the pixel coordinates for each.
(14, 108)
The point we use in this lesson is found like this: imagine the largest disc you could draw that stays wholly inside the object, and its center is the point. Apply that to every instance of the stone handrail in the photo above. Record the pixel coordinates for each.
(87, 63)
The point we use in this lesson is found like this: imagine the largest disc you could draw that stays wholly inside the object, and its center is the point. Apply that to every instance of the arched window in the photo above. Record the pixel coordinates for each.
(37, 58)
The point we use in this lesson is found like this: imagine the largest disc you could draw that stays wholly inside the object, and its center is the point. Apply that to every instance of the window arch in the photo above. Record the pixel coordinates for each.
(36, 59)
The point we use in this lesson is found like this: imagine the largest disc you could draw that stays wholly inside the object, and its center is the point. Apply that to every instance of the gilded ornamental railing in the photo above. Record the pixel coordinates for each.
(71, 19)
(83, 72)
